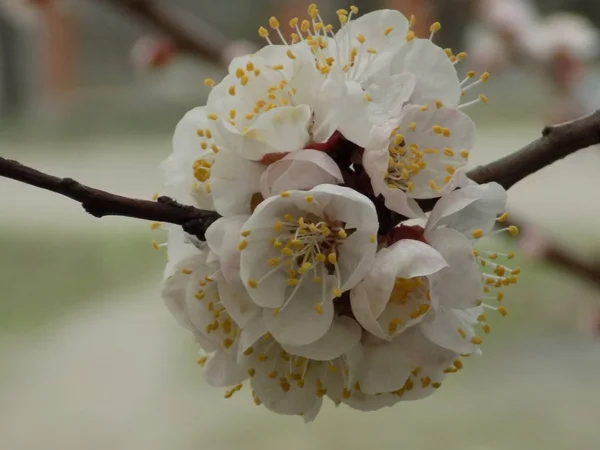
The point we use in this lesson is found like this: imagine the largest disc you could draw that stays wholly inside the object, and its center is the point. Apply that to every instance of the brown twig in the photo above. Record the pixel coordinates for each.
(100, 203)
(201, 40)
(557, 142)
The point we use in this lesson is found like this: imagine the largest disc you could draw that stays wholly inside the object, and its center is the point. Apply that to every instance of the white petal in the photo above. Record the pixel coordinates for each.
(234, 180)
(382, 368)
(372, 26)
(415, 259)
(236, 301)
(365, 402)
(389, 94)
(279, 130)
(343, 334)
(222, 237)
(221, 370)
(443, 327)
(469, 208)
(302, 169)
(298, 323)
(254, 329)
(435, 73)
(355, 124)
(369, 298)
(312, 413)
(459, 285)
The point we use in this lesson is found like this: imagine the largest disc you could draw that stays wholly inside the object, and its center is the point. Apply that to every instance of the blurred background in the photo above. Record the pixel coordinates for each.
(90, 358)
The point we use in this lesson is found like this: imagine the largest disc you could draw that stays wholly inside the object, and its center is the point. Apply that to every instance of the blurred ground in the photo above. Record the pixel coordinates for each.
(92, 360)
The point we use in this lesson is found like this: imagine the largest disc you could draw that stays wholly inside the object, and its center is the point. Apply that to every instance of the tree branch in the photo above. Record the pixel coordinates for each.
(201, 40)
(100, 203)
(556, 143)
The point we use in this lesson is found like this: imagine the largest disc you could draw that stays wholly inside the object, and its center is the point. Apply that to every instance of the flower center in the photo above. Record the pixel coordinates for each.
(410, 299)
(308, 248)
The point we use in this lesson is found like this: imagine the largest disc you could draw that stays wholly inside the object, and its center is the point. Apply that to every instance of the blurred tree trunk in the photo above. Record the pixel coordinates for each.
(10, 89)
(58, 53)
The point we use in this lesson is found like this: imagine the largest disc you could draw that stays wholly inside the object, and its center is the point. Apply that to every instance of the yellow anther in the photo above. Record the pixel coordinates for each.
(511, 255)
(273, 23)
(436, 385)
(435, 27)
(361, 38)
(215, 148)
(212, 116)
(209, 82)
(278, 225)
(486, 328)
(476, 340)
(252, 283)
(332, 258)
(448, 152)
(321, 258)
(450, 169)
(485, 76)
(470, 74)
(277, 67)
(263, 32)
(513, 230)
(290, 54)
(262, 357)
(256, 72)
(433, 185)
(309, 198)
(337, 292)
(294, 22)
(437, 129)
(319, 308)
(155, 196)
(287, 251)
(325, 70)
(446, 132)
(477, 234)
(439, 104)
(293, 281)
(410, 36)
(200, 132)
(305, 26)
(462, 332)
(412, 21)
(461, 56)
(227, 343)
(286, 194)
(342, 234)
(248, 351)
(202, 360)
(155, 245)
(232, 113)
(354, 9)
(186, 271)
(155, 225)
(242, 245)
(317, 280)
(274, 262)
(413, 126)
(502, 310)
(368, 97)
(388, 30)
(483, 99)
(244, 80)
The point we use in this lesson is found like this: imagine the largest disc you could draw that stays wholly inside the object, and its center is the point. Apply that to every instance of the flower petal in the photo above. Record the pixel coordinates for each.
(469, 208)
(343, 334)
(449, 330)
(279, 130)
(221, 370)
(234, 180)
(298, 323)
(302, 169)
(459, 284)
(435, 74)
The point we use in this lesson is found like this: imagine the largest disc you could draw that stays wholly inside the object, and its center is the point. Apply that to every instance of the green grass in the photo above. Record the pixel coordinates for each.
(45, 275)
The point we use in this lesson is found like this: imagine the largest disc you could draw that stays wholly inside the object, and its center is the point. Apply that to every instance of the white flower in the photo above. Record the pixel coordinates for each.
(458, 220)
(187, 171)
(301, 250)
(294, 380)
(274, 101)
(200, 299)
(419, 157)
